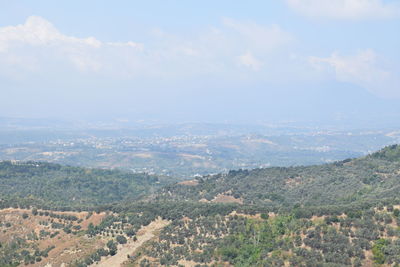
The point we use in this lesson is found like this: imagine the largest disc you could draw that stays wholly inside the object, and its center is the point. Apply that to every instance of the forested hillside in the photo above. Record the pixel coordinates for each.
(341, 214)
(369, 238)
(54, 185)
(372, 178)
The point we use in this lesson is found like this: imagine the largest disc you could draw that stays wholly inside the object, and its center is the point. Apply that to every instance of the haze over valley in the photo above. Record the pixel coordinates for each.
(200, 133)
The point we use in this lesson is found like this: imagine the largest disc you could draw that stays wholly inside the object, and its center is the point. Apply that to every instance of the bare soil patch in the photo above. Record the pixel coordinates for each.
(144, 234)
(189, 183)
(221, 198)
(68, 247)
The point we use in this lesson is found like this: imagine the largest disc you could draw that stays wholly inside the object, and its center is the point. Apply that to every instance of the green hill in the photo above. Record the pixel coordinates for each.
(342, 214)
(54, 185)
(374, 177)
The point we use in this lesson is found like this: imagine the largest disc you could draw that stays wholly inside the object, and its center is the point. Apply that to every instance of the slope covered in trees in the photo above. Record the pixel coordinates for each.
(372, 178)
(341, 214)
(53, 185)
(371, 237)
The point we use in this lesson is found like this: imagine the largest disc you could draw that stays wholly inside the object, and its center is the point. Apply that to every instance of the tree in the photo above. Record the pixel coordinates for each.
(91, 231)
(34, 211)
(130, 232)
(378, 251)
(396, 212)
(112, 247)
(121, 239)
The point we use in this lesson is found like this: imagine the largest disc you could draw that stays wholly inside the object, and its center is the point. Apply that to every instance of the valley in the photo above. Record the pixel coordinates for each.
(200, 133)
(188, 150)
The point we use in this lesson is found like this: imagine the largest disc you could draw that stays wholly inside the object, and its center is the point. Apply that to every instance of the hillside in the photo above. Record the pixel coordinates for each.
(341, 214)
(369, 239)
(374, 177)
(54, 185)
(199, 234)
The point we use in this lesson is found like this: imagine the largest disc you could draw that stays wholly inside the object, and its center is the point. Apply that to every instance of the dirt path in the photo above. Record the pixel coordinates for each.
(144, 234)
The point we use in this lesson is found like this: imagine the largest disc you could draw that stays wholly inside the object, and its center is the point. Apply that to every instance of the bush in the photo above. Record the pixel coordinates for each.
(121, 239)
(396, 212)
(34, 211)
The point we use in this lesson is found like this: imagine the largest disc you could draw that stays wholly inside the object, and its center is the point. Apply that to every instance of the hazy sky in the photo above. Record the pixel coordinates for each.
(201, 60)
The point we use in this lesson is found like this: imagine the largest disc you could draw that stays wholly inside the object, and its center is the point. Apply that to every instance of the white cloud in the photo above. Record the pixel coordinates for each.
(127, 44)
(346, 9)
(363, 69)
(38, 47)
(39, 44)
(38, 41)
(248, 60)
(259, 37)
(38, 32)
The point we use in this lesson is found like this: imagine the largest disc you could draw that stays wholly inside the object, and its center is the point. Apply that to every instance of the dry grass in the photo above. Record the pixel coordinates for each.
(189, 183)
(144, 234)
(221, 198)
(68, 247)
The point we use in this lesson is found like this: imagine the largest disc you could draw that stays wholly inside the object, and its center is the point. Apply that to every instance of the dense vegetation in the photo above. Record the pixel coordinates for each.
(53, 185)
(243, 240)
(374, 177)
(371, 178)
(340, 214)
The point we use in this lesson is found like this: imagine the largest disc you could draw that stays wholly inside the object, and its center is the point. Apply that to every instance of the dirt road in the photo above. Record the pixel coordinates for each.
(144, 234)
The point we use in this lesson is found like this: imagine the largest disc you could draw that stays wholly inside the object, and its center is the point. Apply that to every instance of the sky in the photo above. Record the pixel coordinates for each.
(209, 61)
